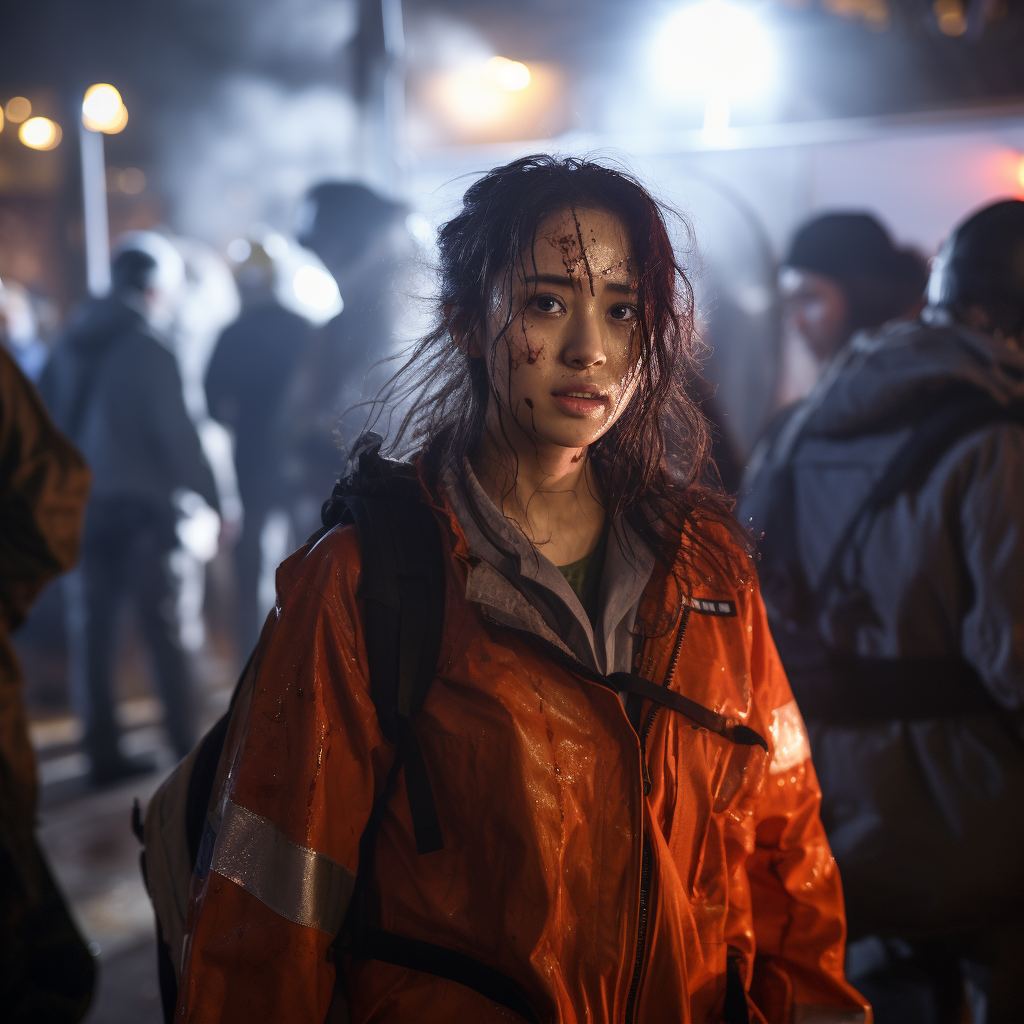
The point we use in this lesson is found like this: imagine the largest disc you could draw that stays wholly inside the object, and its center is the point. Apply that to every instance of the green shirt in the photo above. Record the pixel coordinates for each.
(584, 576)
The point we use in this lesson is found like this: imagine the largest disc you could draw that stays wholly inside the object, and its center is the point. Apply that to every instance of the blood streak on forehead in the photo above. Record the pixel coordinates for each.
(589, 244)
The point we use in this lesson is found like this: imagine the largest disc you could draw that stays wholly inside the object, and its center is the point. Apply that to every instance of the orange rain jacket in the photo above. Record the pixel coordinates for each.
(539, 780)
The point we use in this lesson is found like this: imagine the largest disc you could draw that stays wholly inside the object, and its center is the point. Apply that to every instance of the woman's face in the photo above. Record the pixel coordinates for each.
(817, 309)
(563, 369)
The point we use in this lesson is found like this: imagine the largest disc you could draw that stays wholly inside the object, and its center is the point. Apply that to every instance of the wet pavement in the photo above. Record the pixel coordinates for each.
(94, 854)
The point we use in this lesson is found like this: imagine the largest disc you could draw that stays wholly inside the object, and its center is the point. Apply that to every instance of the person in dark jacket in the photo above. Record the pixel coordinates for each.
(842, 274)
(891, 522)
(116, 391)
(46, 973)
(251, 367)
(361, 238)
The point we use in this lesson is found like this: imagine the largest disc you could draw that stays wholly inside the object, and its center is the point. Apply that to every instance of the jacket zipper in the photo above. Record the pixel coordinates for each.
(645, 857)
(641, 930)
(653, 713)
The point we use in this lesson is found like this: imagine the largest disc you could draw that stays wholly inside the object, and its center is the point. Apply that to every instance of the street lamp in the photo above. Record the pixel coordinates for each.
(103, 113)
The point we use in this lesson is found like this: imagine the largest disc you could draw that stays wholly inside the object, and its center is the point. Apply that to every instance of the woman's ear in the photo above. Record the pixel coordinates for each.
(465, 341)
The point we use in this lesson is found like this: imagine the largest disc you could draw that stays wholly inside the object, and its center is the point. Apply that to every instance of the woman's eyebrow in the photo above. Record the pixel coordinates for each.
(565, 281)
(568, 282)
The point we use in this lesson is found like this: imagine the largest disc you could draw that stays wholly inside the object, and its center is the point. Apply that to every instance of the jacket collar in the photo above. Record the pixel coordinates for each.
(518, 587)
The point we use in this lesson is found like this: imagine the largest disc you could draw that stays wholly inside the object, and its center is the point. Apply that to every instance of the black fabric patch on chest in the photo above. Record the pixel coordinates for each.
(712, 606)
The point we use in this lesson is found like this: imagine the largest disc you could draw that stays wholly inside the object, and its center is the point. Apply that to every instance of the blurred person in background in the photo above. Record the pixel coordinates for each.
(19, 329)
(115, 389)
(842, 275)
(891, 510)
(248, 374)
(363, 241)
(46, 973)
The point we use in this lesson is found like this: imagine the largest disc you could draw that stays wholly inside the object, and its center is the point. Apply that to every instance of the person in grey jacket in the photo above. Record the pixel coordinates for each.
(115, 389)
(889, 508)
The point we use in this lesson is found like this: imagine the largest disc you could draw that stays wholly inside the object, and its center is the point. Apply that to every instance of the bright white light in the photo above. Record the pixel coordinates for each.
(198, 527)
(420, 228)
(716, 116)
(315, 288)
(239, 250)
(507, 74)
(102, 109)
(714, 48)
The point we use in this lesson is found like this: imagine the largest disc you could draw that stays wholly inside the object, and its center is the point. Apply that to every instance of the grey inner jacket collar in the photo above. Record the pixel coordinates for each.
(522, 589)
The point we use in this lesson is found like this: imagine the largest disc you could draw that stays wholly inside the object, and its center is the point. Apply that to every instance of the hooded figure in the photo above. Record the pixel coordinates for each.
(889, 509)
(115, 389)
(362, 239)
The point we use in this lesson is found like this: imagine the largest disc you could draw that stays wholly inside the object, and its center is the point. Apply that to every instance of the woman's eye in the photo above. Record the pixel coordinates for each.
(547, 304)
(622, 312)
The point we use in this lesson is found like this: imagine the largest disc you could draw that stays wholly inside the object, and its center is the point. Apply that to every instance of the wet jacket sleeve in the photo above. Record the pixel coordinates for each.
(795, 894)
(44, 483)
(298, 796)
(992, 538)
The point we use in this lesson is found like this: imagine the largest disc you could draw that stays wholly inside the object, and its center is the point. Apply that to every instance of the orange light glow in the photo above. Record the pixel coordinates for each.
(1020, 172)
(40, 133)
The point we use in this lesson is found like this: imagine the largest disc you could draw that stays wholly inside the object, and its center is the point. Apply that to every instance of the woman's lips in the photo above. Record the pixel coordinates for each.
(580, 403)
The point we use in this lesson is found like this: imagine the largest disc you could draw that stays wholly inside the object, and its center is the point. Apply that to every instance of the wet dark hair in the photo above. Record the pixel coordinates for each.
(652, 462)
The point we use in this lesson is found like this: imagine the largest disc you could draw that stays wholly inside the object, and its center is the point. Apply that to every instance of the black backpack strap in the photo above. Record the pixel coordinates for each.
(402, 587)
(416, 955)
(628, 682)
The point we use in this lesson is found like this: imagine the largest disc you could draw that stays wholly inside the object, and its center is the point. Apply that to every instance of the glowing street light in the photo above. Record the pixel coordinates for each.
(716, 51)
(40, 133)
(103, 111)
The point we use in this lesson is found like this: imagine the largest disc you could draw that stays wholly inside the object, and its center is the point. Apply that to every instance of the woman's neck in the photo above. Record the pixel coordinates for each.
(550, 492)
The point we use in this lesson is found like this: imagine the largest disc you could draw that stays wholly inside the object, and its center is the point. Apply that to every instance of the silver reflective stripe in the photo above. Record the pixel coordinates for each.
(306, 887)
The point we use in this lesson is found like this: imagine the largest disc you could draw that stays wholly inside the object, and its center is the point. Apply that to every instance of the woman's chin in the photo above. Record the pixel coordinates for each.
(574, 437)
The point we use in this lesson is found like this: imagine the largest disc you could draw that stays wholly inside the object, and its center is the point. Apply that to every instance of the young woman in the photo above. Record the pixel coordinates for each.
(610, 857)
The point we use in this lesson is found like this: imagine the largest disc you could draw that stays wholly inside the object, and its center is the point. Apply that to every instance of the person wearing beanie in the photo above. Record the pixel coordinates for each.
(888, 516)
(842, 274)
(363, 241)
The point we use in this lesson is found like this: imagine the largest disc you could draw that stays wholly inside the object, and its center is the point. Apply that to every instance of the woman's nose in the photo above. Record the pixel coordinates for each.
(584, 344)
